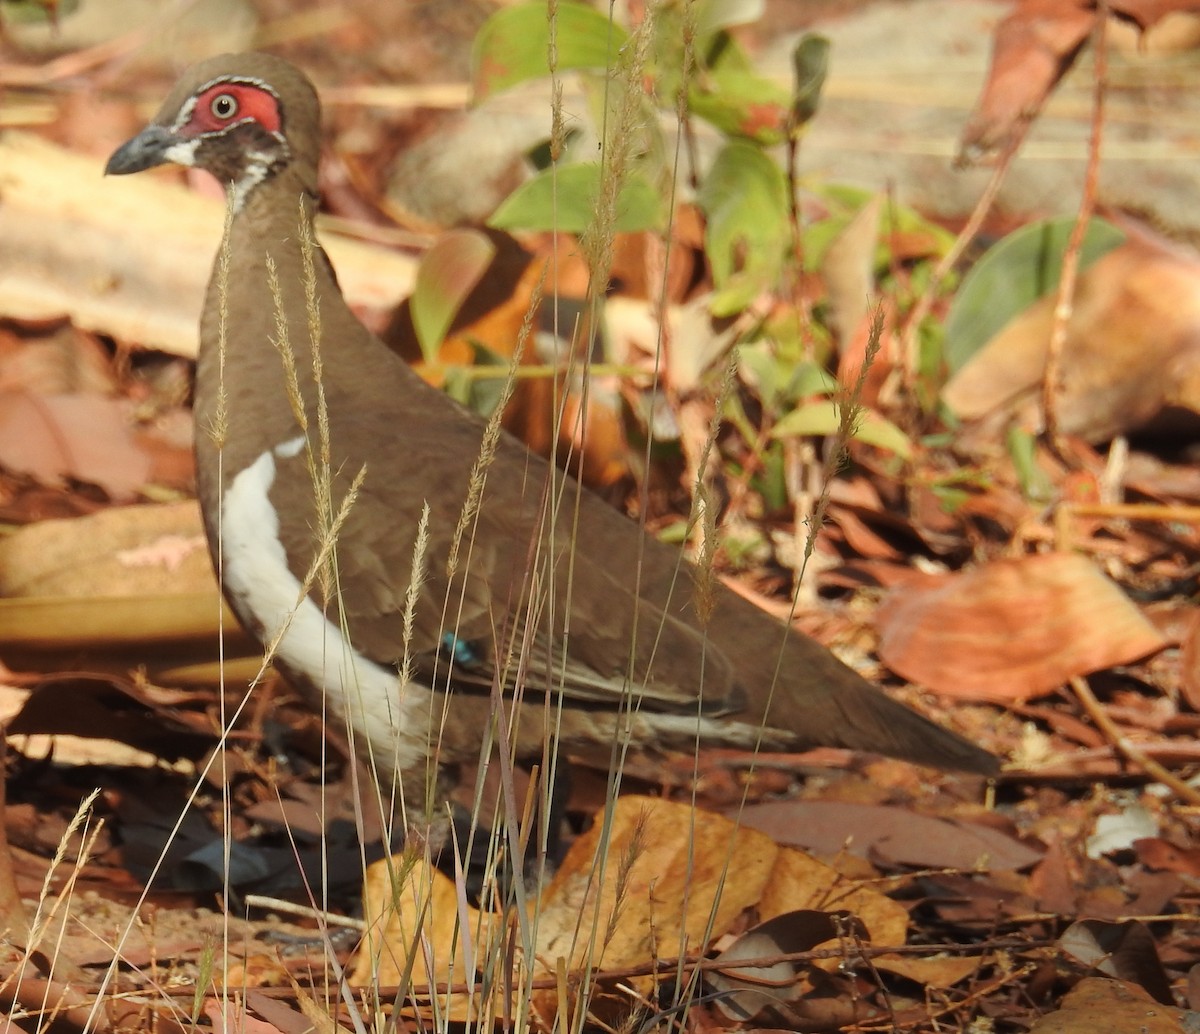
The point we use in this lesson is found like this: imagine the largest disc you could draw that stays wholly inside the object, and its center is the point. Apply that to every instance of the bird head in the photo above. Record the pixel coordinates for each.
(245, 118)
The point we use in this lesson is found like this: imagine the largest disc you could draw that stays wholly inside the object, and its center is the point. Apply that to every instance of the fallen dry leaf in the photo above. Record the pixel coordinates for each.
(79, 437)
(1096, 1004)
(1189, 664)
(745, 991)
(889, 834)
(1032, 49)
(664, 884)
(419, 933)
(1011, 629)
(121, 551)
(1124, 950)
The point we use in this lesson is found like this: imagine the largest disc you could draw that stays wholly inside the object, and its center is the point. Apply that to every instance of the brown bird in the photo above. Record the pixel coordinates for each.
(524, 583)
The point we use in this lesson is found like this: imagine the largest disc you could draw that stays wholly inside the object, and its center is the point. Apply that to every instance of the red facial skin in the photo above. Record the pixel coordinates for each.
(224, 104)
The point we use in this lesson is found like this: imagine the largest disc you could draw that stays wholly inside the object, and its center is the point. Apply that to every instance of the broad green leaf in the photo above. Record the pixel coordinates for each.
(770, 479)
(514, 44)
(824, 417)
(446, 275)
(564, 199)
(1013, 275)
(744, 197)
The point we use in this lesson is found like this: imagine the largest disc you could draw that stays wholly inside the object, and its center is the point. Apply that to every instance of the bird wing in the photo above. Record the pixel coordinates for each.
(532, 607)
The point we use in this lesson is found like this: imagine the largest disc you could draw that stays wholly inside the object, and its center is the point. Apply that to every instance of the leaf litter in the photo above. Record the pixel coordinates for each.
(853, 892)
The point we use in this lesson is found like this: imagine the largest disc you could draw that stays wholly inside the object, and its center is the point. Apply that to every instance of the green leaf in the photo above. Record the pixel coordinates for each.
(514, 45)
(744, 197)
(481, 394)
(824, 417)
(733, 96)
(1013, 275)
(742, 104)
(564, 199)
(810, 65)
(779, 382)
(950, 497)
(844, 202)
(1035, 482)
(447, 274)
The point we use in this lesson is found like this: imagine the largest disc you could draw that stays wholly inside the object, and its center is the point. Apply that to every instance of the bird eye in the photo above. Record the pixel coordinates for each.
(224, 105)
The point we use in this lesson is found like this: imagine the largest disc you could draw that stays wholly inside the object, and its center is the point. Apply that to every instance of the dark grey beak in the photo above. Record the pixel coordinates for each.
(144, 151)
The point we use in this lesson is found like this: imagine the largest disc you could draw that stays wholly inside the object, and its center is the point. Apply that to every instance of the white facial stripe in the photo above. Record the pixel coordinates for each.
(183, 152)
(262, 588)
(185, 113)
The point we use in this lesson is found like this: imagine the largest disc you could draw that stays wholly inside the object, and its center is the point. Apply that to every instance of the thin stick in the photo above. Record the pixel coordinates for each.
(1064, 305)
(1113, 734)
(909, 333)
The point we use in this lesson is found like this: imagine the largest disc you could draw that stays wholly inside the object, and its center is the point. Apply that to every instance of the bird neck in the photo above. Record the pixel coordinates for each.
(256, 321)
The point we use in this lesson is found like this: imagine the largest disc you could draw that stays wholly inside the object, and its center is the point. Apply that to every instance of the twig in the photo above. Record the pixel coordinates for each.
(1064, 304)
(1135, 511)
(909, 333)
(1106, 725)
(271, 904)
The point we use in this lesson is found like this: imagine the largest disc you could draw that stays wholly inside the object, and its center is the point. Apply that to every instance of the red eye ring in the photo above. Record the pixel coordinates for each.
(224, 106)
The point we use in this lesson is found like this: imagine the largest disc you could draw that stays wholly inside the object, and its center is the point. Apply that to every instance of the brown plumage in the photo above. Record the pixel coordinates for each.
(552, 586)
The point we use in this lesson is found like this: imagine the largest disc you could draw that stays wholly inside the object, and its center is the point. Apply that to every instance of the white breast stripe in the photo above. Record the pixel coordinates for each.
(263, 588)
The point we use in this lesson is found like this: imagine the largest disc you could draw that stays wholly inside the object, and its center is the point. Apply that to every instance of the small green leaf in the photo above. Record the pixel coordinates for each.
(564, 199)
(950, 497)
(779, 383)
(674, 534)
(1035, 482)
(733, 96)
(514, 44)
(481, 394)
(810, 379)
(1013, 275)
(824, 417)
(810, 65)
(744, 197)
(447, 274)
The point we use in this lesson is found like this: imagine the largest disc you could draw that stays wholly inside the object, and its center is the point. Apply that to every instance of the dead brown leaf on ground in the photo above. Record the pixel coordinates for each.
(1012, 629)
(941, 912)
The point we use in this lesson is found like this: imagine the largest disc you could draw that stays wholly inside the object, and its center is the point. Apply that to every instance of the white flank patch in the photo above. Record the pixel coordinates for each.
(262, 587)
